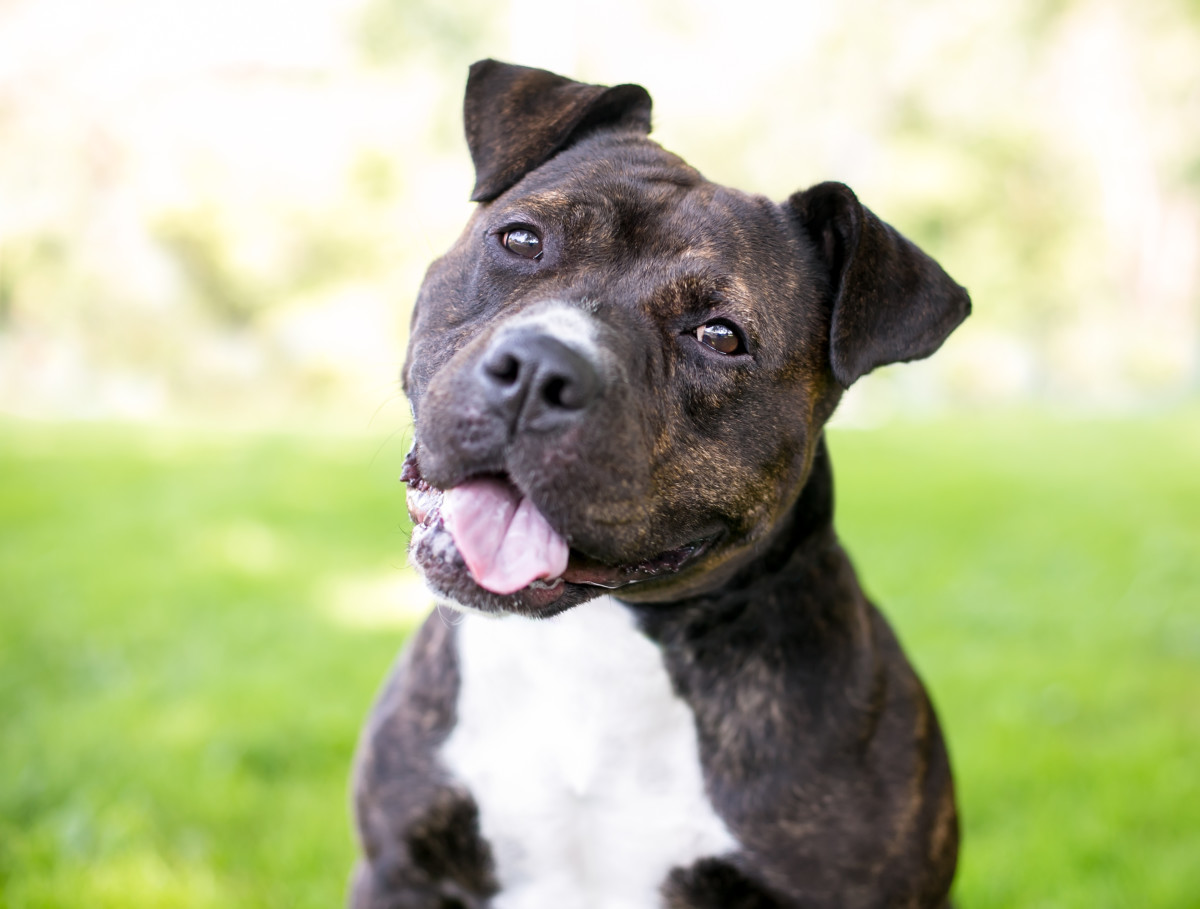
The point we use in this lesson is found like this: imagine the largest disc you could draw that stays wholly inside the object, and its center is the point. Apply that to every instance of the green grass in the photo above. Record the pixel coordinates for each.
(181, 684)
(1045, 578)
(192, 628)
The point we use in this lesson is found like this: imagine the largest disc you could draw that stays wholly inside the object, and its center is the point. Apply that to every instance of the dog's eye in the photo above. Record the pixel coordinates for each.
(523, 242)
(721, 337)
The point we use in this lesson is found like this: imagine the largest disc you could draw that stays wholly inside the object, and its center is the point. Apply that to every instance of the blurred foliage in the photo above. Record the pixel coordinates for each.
(27, 263)
(429, 45)
(199, 245)
(315, 253)
(1045, 153)
(395, 31)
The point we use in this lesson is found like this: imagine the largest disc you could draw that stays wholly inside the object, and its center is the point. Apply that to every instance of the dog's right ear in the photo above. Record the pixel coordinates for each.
(517, 117)
(891, 302)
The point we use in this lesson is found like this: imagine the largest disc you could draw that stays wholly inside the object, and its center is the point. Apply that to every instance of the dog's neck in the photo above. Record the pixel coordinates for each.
(807, 528)
(802, 562)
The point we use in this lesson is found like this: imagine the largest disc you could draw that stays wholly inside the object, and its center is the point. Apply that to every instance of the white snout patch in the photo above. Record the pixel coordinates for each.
(582, 760)
(568, 324)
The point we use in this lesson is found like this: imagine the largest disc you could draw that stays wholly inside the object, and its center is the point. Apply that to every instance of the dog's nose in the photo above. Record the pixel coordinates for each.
(537, 381)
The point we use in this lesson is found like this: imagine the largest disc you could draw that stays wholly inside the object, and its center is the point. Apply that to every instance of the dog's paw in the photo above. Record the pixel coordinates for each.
(715, 884)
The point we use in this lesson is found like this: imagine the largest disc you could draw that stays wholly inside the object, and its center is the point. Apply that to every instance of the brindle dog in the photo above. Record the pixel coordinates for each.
(619, 376)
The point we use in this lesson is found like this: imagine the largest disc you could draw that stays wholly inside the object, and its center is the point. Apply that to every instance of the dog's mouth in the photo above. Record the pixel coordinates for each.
(487, 528)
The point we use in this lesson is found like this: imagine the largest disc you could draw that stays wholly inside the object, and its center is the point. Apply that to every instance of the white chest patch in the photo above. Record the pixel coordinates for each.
(581, 758)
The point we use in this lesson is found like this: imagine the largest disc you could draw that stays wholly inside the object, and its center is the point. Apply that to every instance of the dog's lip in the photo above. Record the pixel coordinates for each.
(582, 569)
(424, 501)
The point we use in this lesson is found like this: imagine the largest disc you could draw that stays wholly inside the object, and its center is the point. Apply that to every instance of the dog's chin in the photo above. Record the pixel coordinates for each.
(433, 552)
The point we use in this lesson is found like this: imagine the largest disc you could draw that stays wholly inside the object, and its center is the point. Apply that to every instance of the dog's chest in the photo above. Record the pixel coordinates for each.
(581, 758)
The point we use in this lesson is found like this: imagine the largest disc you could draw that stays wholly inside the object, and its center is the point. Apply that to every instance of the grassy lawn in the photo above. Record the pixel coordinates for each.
(192, 628)
(1045, 578)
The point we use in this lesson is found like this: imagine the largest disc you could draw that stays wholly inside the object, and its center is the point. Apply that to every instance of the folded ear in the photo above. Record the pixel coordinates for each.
(517, 117)
(891, 302)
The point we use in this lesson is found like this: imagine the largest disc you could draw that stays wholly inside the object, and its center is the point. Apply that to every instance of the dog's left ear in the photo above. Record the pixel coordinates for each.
(891, 302)
(517, 117)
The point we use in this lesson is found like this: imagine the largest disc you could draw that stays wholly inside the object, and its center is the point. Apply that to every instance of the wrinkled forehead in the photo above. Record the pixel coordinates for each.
(646, 204)
(639, 224)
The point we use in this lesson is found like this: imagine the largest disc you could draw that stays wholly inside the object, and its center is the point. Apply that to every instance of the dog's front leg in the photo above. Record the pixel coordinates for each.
(419, 831)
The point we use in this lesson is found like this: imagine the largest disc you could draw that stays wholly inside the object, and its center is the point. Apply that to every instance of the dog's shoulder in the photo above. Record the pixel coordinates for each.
(419, 828)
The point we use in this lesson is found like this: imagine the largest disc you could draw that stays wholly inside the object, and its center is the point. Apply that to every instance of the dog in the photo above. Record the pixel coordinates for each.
(661, 685)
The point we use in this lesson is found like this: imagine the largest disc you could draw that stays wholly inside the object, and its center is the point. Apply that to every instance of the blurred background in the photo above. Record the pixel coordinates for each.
(222, 210)
(213, 219)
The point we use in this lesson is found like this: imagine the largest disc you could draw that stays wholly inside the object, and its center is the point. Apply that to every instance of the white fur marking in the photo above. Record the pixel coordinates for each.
(566, 323)
(581, 758)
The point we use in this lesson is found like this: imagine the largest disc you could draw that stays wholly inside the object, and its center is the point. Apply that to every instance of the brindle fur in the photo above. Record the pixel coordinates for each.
(819, 747)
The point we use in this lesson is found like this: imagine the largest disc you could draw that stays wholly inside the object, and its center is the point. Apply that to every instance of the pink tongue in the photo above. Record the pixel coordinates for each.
(502, 537)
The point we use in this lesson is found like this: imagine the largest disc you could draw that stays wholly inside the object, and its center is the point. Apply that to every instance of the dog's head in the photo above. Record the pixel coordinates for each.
(620, 371)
